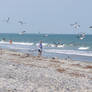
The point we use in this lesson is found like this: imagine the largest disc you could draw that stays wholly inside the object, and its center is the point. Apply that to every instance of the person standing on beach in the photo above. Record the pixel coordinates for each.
(40, 49)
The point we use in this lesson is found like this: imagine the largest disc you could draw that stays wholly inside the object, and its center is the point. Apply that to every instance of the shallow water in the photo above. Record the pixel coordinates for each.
(53, 45)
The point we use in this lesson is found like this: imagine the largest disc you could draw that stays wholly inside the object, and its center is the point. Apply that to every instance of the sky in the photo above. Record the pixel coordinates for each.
(45, 16)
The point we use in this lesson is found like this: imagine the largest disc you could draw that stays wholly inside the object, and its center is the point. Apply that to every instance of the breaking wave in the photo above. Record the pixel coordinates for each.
(72, 52)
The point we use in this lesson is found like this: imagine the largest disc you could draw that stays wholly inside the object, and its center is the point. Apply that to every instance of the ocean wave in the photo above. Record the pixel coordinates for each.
(72, 52)
(58, 46)
(44, 44)
(83, 48)
(51, 45)
(32, 43)
(23, 43)
(54, 49)
(17, 43)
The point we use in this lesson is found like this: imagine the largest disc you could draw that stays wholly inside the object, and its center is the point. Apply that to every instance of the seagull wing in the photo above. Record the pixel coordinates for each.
(90, 26)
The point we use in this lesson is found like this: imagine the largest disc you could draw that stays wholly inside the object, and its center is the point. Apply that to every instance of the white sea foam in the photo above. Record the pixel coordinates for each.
(83, 48)
(72, 52)
(2, 42)
(37, 44)
(17, 43)
(44, 44)
(23, 43)
(51, 45)
(60, 46)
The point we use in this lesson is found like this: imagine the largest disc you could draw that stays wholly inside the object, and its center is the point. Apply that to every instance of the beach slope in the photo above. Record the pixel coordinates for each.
(21, 72)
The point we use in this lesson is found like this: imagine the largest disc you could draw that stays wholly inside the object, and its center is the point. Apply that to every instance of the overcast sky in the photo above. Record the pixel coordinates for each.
(45, 16)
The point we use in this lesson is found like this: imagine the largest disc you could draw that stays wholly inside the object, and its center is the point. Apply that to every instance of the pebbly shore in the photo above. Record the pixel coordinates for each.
(21, 72)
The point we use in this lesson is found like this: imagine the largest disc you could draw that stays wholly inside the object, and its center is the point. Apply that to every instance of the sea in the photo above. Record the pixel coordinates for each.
(62, 46)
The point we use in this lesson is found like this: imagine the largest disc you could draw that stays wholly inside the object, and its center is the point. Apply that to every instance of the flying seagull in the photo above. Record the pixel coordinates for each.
(75, 25)
(8, 19)
(21, 22)
(90, 26)
(21, 33)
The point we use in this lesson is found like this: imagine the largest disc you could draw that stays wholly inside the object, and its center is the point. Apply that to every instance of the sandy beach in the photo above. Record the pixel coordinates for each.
(21, 72)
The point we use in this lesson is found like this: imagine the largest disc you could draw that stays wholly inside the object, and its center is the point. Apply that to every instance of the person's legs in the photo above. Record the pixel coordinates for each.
(39, 52)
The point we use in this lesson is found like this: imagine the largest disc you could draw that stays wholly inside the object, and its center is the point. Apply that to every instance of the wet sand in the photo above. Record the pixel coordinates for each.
(21, 72)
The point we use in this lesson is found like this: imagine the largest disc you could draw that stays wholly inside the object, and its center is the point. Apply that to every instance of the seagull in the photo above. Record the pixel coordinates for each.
(21, 22)
(90, 26)
(75, 25)
(21, 33)
(81, 36)
(8, 19)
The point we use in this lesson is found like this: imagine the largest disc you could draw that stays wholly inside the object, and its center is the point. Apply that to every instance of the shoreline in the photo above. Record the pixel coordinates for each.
(61, 55)
(20, 72)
